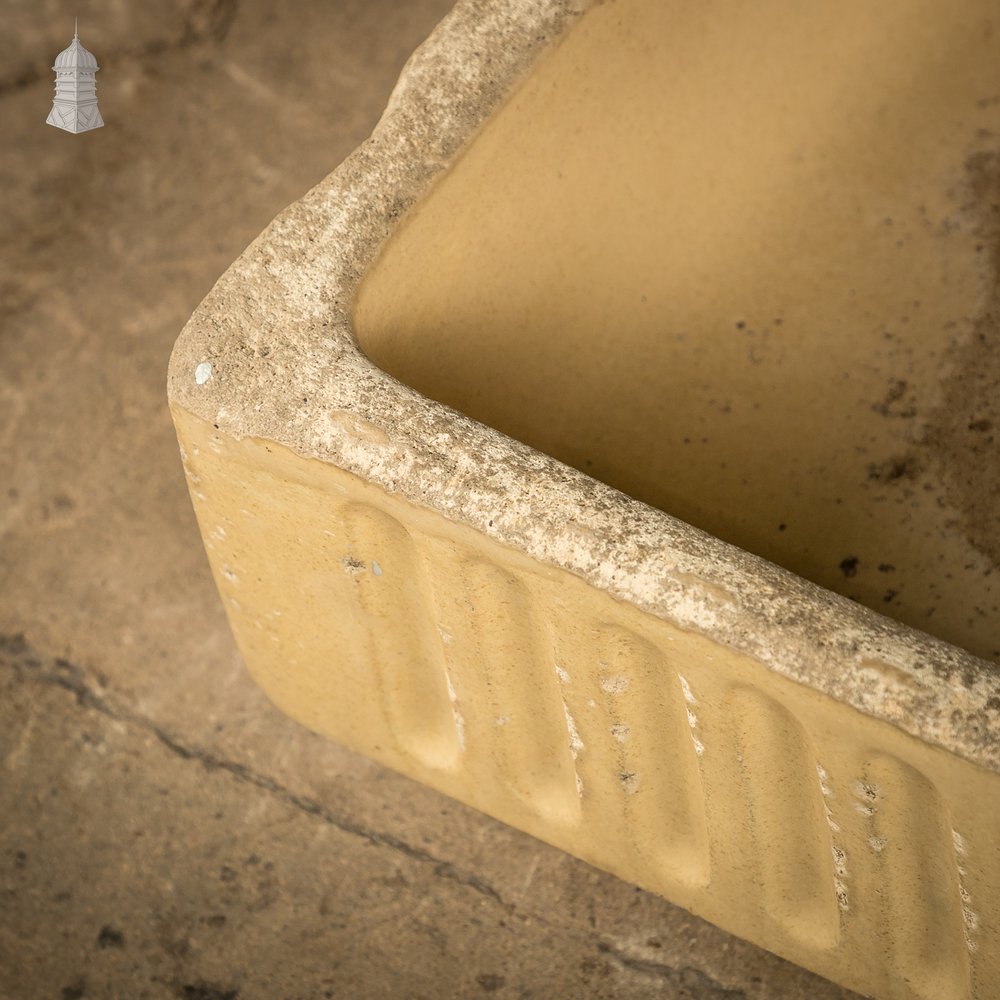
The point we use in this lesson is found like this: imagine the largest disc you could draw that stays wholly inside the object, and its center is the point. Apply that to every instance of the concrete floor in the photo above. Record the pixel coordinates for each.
(164, 831)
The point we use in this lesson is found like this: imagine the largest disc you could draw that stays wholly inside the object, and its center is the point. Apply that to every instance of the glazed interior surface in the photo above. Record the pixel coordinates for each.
(740, 261)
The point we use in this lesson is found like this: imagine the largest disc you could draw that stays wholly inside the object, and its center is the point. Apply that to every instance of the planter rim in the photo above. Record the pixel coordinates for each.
(270, 354)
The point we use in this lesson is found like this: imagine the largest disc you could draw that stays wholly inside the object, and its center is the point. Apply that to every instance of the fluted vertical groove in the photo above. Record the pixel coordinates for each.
(649, 726)
(529, 724)
(921, 893)
(793, 850)
(392, 590)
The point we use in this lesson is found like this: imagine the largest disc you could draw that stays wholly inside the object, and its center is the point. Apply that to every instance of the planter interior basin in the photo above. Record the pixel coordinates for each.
(743, 268)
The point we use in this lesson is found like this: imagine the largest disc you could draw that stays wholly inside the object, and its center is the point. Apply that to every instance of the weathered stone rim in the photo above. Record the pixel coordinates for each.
(285, 366)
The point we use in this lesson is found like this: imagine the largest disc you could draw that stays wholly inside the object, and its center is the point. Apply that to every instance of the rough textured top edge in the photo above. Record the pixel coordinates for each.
(270, 354)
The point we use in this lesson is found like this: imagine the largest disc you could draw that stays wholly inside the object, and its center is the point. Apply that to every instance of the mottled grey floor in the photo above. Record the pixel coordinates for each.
(164, 831)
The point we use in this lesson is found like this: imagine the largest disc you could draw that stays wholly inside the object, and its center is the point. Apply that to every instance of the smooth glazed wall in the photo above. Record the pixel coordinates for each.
(740, 261)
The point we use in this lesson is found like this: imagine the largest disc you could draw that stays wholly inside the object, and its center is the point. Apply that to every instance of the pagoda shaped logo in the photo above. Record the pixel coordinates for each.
(75, 106)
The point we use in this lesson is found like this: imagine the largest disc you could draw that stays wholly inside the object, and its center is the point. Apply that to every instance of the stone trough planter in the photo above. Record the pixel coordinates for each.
(611, 443)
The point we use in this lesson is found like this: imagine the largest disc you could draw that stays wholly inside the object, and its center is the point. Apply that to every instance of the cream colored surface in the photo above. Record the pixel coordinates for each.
(423, 587)
(739, 261)
(823, 834)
